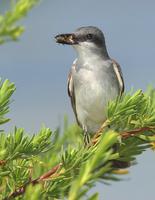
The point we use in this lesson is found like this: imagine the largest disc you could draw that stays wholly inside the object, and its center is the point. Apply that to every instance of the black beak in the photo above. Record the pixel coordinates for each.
(68, 38)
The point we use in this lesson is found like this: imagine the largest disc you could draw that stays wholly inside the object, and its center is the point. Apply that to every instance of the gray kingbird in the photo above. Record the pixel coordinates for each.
(94, 78)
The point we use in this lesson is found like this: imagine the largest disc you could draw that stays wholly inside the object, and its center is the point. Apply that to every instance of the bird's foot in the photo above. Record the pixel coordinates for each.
(99, 132)
(96, 137)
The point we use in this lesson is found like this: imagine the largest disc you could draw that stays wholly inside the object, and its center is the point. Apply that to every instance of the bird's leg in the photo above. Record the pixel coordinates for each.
(87, 139)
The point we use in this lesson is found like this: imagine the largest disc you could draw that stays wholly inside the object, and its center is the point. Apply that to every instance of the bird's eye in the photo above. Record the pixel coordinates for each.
(89, 36)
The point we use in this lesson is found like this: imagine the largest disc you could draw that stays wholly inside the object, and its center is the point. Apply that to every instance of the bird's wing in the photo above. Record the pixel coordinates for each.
(119, 75)
(71, 91)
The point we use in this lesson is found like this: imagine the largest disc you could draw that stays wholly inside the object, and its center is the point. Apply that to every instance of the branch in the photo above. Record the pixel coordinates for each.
(124, 134)
(127, 134)
(9, 30)
(43, 177)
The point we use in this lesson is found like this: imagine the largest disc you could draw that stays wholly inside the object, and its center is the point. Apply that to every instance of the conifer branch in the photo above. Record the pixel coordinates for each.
(42, 178)
(128, 132)
(134, 132)
(9, 30)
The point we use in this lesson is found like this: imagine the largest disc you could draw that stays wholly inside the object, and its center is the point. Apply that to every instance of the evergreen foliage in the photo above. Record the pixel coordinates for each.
(9, 30)
(51, 165)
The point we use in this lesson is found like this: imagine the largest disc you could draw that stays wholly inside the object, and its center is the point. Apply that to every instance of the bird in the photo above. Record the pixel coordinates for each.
(94, 78)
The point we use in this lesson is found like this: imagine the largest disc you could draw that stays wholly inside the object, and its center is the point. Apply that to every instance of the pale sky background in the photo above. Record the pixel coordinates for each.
(39, 68)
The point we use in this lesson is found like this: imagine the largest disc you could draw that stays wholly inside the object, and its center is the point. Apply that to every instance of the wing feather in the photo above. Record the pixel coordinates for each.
(71, 92)
(119, 75)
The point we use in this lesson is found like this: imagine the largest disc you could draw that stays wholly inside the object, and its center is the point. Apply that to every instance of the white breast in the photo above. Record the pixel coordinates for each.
(93, 90)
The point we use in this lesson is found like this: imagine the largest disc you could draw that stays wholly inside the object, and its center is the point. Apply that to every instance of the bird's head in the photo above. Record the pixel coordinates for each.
(85, 39)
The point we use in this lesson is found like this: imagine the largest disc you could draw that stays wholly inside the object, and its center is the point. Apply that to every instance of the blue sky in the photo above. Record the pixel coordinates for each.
(39, 68)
